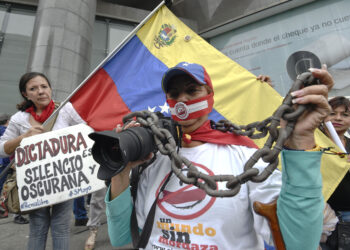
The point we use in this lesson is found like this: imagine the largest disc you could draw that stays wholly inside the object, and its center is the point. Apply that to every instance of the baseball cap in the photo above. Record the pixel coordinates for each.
(196, 71)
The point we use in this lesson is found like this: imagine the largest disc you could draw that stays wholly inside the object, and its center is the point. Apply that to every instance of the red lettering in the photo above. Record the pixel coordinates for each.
(64, 144)
(55, 144)
(186, 246)
(46, 149)
(26, 154)
(80, 140)
(163, 240)
(31, 148)
(38, 144)
(71, 140)
(194, 247)
(20, 155)
(178, 244)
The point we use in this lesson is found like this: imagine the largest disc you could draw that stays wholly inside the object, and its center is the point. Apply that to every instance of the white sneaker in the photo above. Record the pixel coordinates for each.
(91, 240)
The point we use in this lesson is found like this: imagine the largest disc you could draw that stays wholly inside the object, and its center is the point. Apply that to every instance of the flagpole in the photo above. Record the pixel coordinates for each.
(110, 55)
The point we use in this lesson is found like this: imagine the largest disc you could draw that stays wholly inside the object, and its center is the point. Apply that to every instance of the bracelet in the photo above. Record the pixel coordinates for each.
(316, 148)
(286, 148)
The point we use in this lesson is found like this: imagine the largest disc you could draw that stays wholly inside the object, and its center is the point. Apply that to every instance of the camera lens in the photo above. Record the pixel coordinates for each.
(114, 150)
(111, 151)
(135, 143)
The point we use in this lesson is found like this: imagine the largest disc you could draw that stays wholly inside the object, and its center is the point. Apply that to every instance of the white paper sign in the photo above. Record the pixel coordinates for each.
(335, 136)
(55, 167)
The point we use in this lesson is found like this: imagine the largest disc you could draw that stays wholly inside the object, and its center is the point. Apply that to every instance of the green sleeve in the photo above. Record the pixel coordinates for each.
(300, 204)
(118, 213)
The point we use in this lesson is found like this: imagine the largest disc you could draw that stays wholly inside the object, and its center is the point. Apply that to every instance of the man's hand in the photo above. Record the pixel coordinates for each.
(35, 130)
(265, 78)
(317, 95)
(121, 181)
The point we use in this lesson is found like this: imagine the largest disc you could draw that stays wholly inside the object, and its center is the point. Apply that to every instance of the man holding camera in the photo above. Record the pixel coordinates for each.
(185, 217)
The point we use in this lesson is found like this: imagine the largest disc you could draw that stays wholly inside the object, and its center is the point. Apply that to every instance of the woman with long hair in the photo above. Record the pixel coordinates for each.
(36, 107)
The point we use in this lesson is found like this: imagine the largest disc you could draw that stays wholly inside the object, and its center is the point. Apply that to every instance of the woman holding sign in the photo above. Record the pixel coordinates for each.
(36, 107)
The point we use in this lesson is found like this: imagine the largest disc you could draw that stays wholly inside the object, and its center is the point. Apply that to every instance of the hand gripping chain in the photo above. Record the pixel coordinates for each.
(269, 153)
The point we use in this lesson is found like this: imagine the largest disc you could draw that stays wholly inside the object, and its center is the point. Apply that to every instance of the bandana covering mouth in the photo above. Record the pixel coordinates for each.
(183, 111)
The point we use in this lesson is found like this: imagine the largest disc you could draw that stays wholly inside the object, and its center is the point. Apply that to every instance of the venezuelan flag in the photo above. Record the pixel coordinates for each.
(131, 81)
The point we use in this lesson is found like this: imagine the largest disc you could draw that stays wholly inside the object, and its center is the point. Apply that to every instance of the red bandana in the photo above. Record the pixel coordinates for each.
(206, 133)
(44, 115)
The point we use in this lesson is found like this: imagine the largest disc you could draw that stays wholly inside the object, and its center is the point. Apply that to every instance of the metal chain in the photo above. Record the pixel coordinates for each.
(269, 153)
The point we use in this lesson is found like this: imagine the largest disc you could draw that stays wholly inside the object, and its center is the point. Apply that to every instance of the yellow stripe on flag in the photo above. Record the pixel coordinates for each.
(333, 167)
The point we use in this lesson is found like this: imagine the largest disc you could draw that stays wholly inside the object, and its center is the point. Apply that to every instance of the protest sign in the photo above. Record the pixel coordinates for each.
(55, 167)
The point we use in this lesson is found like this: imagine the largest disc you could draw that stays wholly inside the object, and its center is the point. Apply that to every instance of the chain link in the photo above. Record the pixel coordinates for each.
(269, 153)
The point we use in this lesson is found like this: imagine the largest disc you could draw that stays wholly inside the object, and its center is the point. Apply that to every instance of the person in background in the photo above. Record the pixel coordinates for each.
(97, 208)
(4, 121)
(230, 221)
(79, 211)
(339, 200)
(265, 78)
(36, 107)
(17, 218)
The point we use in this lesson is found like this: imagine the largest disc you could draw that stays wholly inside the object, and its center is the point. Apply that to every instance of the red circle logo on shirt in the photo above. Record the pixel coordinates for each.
(183, 201)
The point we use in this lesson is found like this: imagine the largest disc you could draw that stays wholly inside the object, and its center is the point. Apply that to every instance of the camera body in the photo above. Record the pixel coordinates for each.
(113, 151)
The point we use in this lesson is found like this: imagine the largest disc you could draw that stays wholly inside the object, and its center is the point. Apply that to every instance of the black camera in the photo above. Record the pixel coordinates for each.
(114, 150)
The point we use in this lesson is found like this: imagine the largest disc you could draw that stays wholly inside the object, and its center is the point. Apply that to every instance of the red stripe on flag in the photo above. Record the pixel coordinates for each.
(99, 103)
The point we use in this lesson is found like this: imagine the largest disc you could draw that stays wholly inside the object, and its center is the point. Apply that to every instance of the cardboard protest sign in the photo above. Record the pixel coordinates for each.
(55, 167)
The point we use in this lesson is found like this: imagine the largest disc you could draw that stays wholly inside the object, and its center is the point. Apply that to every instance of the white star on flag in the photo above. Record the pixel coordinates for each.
(152, 109)
(165, 108)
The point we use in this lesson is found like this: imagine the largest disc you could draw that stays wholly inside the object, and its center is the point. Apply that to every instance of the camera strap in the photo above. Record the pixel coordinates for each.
(140, 241)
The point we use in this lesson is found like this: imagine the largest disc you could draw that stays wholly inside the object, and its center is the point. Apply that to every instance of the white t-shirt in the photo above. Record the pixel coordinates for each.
(187, 218)
(19, 124)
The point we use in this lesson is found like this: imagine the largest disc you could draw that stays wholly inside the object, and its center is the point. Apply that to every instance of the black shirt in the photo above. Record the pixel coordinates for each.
(340, 199)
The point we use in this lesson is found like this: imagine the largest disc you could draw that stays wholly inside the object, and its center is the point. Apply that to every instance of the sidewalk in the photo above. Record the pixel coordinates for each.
(15, 236)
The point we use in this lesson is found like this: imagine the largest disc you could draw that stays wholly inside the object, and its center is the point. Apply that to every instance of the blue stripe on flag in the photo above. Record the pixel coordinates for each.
(137, 75)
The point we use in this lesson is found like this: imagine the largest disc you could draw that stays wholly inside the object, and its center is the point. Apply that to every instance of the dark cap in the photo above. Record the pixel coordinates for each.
(4, 118)
(194, 70)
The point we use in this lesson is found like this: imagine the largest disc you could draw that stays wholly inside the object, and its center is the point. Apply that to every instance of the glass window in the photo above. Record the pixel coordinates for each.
(17, 31)
(107, 35)
(99, 43)
(2, 14)
(287, 44)
(118, 32)
(21, 23)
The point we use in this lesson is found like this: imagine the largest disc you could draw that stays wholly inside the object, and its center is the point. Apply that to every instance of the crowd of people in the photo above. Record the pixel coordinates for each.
(172, 214)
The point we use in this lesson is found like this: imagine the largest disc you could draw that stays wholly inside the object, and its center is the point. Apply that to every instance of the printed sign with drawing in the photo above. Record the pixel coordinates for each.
(55, 167)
